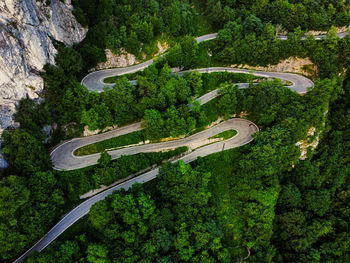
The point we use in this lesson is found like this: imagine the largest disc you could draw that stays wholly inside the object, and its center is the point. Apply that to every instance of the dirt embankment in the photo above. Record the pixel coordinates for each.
(311, 142)
(125, 59)
(311, 32)
(298, 65)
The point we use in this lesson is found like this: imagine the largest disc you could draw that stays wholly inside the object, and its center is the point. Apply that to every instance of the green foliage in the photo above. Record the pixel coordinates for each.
(24, 153)
(97, 254)
(28, 208)
(155, 124)
(252, 24)
(70, 60)
(174, 56)
(135, 226)
(173, 122)
(97, 117)
(132, 44)
(80, 181)
(91, 54)
(32, 117)
(228, 99)
(248, 197)
(14, 197)
(242, 44)
(290, 14)
(184, 54)
(312, 208)
(132, 25)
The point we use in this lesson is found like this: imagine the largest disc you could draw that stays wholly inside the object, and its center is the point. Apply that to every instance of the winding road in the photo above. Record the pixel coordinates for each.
(63, 157)
(245, 129)
(94, 80)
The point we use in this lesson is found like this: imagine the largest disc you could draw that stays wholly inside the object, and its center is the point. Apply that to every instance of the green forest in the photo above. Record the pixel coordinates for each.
(256, 203)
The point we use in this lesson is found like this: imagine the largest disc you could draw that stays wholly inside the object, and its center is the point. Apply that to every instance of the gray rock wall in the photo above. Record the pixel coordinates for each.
(26, 27)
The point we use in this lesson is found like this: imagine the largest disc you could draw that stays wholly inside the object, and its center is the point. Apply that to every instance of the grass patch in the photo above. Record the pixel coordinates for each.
(31, 87)
(225, 135)
(112, 143)
(130, 76)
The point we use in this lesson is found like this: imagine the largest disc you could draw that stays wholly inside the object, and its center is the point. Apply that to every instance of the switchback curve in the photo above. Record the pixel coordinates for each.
(94, 82)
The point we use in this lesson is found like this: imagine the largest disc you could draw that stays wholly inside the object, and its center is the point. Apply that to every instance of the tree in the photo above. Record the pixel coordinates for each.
(104, 10)
(127, 227)
(189, 49)
(89, 7)
(174, 56)
(68, 252)
(80, 16)
(33, 117)
(269, 32)
(14, 198)
(70, 60)
(186, 191)
(194, 80)
(154, 124)
(172, 20)
(90, 118)
(24, 153)
(91, 55)
(132, 44)
(104, 160)
(121, 100)
(183, 90)
(97, 254)
(290, 196)
(100, 216)
(157, 24)
(252, 24)
(228, 101)
(318, 201)
(144, 32)
(73, 103)
(214, 12)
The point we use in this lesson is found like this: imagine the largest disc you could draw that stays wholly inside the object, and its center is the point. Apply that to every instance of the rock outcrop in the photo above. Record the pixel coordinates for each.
(293, 64)
(27, 28)
(124, 59)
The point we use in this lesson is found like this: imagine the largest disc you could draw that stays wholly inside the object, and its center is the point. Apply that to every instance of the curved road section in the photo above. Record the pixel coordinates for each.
(63, 157)
(94, 80)
(245, 129)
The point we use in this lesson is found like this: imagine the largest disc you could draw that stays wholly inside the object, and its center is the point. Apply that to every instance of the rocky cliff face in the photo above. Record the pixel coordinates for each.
(26, 30)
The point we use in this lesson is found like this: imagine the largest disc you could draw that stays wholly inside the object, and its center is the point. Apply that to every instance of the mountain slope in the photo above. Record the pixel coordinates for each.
(26, 30)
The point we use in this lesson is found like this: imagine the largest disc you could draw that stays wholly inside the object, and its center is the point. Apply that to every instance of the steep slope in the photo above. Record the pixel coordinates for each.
(26, 30)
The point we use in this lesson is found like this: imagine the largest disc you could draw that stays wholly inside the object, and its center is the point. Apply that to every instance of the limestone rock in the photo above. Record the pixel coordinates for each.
(125, 59)
(26, 30)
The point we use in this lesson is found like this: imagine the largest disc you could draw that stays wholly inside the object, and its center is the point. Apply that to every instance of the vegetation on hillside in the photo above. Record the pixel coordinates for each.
(259, 197)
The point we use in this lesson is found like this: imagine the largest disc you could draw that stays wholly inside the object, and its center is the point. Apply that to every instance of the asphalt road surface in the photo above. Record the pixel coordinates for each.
(63, 157)
(245, 129)
(94, 80)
